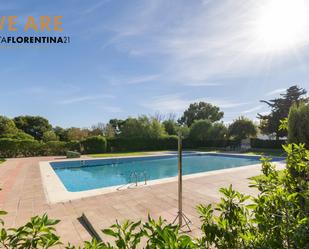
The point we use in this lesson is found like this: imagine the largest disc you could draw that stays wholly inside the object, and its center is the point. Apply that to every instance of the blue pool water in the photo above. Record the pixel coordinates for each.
(93, 174)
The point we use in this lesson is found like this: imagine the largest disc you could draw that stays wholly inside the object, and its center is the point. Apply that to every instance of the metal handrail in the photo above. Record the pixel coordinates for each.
(145, 176)
(134, 174)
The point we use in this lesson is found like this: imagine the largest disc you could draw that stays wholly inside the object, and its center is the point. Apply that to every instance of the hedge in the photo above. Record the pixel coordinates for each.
(124, 144)
(24, 148)
(267, 144)
(74, 145)
(93, 145)
(13, 148)
(192, 144)
(164, 143)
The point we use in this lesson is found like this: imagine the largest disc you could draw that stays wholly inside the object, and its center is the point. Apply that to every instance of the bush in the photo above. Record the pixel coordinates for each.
(242, 128)
(72, 154)
(200, 130)
(29, 147)
(8, 147)
(134, 144)
(94, 145)
(266, 144)
(54, 148)
(74, 146)
(298, 124)
(19, 135)
(195, 144)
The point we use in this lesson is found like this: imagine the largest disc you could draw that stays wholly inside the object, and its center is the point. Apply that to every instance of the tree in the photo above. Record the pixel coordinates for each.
(33, 125)
(116, 124)
(75, 133)
(7, 126)
(97, 129)
(242, 128)
(141, 127)
(298, 124)
(200, 130)
(201, 110)
(170, 127)
(269, 124)
(218, 131)
(50, 136)
(61, 133)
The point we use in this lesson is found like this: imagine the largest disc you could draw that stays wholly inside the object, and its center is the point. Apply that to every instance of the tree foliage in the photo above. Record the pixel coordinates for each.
(270, 123)
(170, 127)
(201, 110)
(242, 128)
(218, 131)
(200, 130)
(75, 133)
(141, 127)
(50, 136)
(33, 125)
(298, 124)
(7, 126)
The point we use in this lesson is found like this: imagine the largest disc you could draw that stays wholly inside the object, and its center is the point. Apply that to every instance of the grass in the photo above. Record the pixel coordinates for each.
(262, 152)
(2, 160)
(121, 154)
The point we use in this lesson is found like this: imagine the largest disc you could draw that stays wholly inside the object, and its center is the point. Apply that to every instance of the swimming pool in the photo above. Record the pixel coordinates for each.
(93, 174)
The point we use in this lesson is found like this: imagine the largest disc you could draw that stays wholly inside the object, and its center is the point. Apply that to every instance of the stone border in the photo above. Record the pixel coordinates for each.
(56, 192)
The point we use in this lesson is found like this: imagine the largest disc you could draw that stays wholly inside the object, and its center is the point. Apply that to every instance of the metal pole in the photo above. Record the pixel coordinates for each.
(179, 179)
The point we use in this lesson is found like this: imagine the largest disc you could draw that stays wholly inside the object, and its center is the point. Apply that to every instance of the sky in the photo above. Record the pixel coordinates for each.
(128, 58)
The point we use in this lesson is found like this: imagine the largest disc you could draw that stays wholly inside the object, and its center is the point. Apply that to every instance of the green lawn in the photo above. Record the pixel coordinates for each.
(264, 152)
(1, 160)
(121, 154)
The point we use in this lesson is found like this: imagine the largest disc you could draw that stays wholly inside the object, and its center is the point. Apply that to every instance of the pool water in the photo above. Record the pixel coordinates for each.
(93, 174)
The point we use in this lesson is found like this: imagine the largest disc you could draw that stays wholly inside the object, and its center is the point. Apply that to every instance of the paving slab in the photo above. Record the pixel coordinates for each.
(23, 197)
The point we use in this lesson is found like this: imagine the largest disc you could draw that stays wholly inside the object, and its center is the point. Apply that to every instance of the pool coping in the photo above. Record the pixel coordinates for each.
(56, 192)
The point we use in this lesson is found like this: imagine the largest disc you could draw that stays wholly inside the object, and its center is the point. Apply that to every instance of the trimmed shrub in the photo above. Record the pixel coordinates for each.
(54, 148)
(267, 144)
(72, 154)
(93, 145)
(74, 146)
(134, 144)
(28, 148)
(298, 124)
(8, 147)
(13, 147)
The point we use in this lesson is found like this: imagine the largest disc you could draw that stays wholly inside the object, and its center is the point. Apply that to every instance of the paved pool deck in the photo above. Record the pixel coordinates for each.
(23, 196)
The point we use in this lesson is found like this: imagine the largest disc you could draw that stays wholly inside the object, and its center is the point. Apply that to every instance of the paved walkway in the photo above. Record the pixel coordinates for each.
(22, 196)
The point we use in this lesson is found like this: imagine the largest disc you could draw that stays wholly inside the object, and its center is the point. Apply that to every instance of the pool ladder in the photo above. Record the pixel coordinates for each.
(135, 176)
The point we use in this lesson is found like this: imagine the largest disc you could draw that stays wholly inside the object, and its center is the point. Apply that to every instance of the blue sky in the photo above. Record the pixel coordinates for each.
(141, 57)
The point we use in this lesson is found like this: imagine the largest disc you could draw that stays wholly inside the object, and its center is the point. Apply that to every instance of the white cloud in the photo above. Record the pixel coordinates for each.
(134, 80)
(73, 100)
(178, 103)
(276, 91)
(197, 43)
(253, 109)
